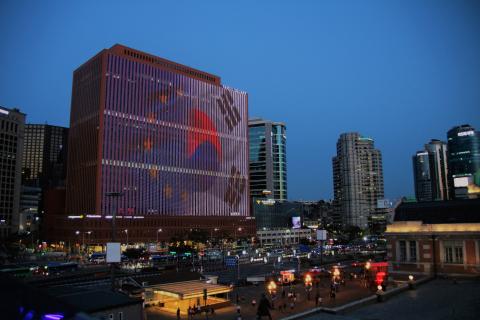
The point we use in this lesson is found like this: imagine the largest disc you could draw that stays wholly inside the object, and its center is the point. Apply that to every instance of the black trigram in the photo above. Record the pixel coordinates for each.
(229, 111)
(235, 188)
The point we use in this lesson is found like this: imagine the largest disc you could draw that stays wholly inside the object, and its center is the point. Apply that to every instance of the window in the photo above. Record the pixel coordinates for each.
(403, 250)
(407, 251)
(413, 251)
(453, 251)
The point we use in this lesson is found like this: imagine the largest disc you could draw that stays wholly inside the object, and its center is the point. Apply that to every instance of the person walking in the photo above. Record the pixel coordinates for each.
(332, 295)
(178, 313)
(264, 308)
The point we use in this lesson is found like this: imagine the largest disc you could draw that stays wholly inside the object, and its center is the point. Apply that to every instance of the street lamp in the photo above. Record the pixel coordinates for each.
(308, 285)
(158, 231)
(89, 233)
(411, 283)
(272, 287)
(77, 233)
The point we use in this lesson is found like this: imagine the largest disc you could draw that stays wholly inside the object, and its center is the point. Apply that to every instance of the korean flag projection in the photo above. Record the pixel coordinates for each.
(186, 148)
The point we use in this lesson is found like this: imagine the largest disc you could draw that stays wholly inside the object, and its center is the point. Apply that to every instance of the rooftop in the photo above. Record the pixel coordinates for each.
(440, 212)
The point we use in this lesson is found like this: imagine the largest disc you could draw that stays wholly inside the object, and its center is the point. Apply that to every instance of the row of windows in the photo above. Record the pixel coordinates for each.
(168, 65)
(9, 126)
(452, 251)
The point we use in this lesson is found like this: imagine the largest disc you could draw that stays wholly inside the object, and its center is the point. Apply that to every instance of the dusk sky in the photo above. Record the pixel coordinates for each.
(401, 72)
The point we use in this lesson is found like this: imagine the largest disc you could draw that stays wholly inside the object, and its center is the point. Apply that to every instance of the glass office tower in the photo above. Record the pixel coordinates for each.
(421, 176)
(268, 159)
(430, 172)
(464, 161)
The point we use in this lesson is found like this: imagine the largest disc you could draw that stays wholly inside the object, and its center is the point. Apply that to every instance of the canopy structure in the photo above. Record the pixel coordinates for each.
(190, 289)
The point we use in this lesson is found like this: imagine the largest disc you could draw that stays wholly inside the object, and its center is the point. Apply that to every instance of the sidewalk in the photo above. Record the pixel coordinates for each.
(353, 290)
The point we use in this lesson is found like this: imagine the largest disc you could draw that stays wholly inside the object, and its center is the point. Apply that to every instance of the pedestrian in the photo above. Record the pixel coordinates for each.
(292, 304)
(316, 299)
(189, 313)
(332, 295)
(254, 302)
(238, 308)
(178, 313)
(285, 306)
(199, 309)
(213, 311)
(283, 293)
(320, 300)
(264, 308)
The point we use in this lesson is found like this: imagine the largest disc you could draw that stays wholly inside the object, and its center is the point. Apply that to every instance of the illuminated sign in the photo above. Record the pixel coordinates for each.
(296, 223)
(462, 182)
(466, 133)
(4, 111)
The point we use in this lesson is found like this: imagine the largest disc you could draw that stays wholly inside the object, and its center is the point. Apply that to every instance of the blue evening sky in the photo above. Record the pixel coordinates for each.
(401, 72)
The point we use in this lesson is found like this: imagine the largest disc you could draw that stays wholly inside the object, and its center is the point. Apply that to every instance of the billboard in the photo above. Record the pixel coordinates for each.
(321, 235)
(296, 223)
(178, 144)
(383, 203)
(113, 252)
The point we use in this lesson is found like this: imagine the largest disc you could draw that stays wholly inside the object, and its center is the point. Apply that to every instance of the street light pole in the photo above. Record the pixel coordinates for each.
(238, 267)
(114, 215)
(158, 231)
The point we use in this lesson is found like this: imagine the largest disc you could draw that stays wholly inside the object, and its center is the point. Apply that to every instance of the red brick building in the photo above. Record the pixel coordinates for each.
(441, 237)
(168, 141)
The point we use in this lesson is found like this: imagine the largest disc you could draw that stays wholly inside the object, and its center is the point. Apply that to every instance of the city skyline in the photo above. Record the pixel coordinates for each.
(411, 78)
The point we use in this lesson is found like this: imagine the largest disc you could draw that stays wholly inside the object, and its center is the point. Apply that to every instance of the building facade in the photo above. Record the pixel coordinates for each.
(268, 159)
(272, 214)
(430, 172)
(464, 162)
(44, 162)
(12, 123)
(357, 179)
(421, 176)
(283, 237)
(158, 144)
(434, 238)
(29, 203)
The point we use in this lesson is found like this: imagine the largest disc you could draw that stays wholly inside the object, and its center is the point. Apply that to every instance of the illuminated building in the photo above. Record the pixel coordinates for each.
(464, 162)
(357, 179)
(168, 140)
(44, 162)
(439, 237)
(268, 158)
(430, 172)
(12, 123)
